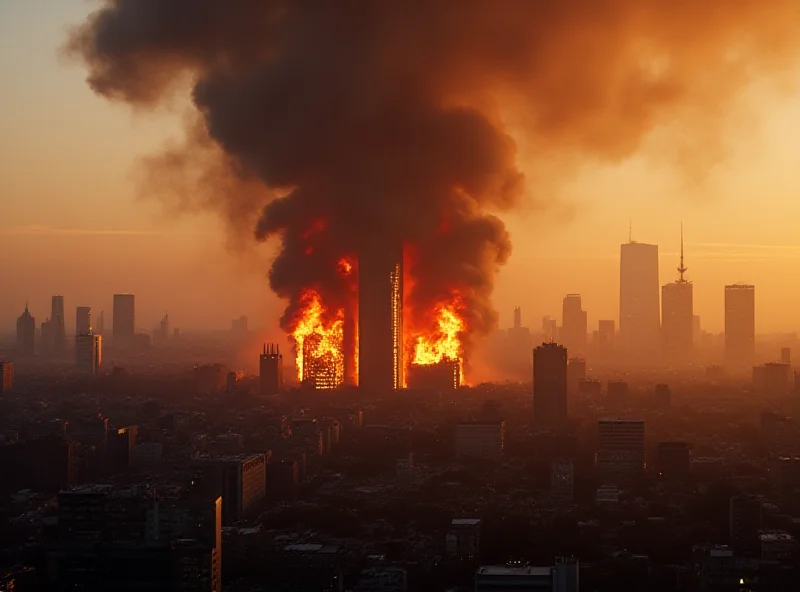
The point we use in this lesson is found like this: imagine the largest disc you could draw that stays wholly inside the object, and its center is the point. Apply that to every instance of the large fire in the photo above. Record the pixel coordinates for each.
(444, 343)
(318, 342)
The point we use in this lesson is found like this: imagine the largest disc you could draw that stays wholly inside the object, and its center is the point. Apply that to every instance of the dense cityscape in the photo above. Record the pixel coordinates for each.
(649, 457)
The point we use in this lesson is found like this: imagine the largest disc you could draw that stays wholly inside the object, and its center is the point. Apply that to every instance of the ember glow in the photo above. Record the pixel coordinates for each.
(318, 342)
(444, 343)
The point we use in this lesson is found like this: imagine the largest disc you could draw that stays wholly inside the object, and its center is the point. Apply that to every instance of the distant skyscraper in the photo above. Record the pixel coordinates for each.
(88, 353)
(124, 327)
(677, 316)
(573, 324)
(26, 333)
(740, 325)
(519, 336)
(380, 319)
(101, 324)
(58, 325)
(83, 320)
(270, 370)
(550, 329)
(550, 385)
(697, 332)
(606, 330)
(638, 300)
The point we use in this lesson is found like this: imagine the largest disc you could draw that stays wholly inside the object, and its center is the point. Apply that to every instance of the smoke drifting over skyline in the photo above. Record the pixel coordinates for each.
(382, 122)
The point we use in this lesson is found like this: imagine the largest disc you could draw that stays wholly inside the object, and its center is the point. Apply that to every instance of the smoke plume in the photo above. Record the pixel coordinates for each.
(367, 123)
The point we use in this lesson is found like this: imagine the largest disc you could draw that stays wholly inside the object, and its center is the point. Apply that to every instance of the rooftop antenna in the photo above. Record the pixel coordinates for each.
(682, 269)
(630, 230)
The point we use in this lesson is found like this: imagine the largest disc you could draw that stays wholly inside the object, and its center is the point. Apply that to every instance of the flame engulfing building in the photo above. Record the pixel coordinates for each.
(442, 376)
(323, 362)
(380, 319)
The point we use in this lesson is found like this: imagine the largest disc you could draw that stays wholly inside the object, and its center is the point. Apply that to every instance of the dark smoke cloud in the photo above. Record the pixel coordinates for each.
(385, 119)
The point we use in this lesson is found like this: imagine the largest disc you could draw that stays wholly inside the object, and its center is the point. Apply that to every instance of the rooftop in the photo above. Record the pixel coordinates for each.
(513, 571)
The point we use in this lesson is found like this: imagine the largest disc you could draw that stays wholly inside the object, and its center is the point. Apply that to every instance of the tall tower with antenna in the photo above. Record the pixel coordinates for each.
(677, 315)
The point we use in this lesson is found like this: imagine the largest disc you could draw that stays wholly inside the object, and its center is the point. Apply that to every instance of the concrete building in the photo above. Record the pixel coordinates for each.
(380, 319)
(745, 519)
(740, 325)
(621, 445)
(239, 479)
(88, 353)
(639, 311)
(677, 316)
(463, 540)
(83, 320)
(480, 440)
(442, 376)
(6, 377)
(57, 320)
(561, 577)
(573, 324)
(123, 328)
(270, 369)
(26, 334)
(550, 385)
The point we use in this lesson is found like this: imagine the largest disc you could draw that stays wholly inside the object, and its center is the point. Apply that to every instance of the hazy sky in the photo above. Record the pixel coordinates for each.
(72, 223)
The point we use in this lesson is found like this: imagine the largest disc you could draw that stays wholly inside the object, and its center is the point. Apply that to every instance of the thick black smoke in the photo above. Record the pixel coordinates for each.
(381, 121)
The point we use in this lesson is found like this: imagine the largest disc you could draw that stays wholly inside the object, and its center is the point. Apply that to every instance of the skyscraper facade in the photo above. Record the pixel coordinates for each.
(380, 320)
(604, 343)
(123, 328)
(88, 353)
(101, 324)
(26, 333)
(83, 320)
(677, 316)
(58, 324)
(573, 324)
(639, 321)
(740, 325)
(550, 385)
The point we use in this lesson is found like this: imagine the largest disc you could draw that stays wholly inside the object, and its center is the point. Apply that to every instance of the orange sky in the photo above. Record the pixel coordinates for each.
(72, 224)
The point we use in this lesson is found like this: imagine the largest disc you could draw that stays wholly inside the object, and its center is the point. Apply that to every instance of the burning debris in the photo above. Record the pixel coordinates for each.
(353, 129)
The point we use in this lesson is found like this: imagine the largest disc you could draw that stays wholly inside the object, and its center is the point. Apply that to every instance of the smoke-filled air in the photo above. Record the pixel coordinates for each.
(365, 125)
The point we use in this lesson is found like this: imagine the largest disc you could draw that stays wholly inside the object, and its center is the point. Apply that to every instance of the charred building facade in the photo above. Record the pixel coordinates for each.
(442, 376)
(380, 319)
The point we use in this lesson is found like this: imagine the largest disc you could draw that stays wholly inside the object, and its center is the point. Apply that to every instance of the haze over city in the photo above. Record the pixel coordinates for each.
(399, 296)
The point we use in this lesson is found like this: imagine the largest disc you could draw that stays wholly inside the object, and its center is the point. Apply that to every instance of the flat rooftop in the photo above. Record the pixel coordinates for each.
(511, 571)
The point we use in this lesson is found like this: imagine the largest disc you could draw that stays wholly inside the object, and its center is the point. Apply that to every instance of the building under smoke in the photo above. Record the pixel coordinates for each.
(323, 368)
(380, 320)
(270, 369)
(442, 376)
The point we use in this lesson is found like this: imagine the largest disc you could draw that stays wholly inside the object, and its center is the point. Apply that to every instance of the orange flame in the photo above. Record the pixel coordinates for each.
(444, 344)
(345, 267)
(323, 340)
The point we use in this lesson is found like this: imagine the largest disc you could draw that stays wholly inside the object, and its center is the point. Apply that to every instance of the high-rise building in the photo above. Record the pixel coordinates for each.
(786, 356)
(621, 446)
(123, 329)
(6, 376)
(550, 329)
(740, 325)
(88, 353)
(83, 320)
(239, 325)
(380, 320)
(26, 334)
(46, 342)
(677, 316)
(270, 369)
(550, 385)
(697, 332)
(101, 324)
(638, 300)
(242, 478)
(58, 324)
(573, 324)
(604, 343)
(576, 372)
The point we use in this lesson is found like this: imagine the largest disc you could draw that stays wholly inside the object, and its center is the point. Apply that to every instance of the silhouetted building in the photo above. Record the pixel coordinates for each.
(590, 389)
(550, 385)
(576, 372)
(380, 319)
(480, 440)
(662, 396)
(617, 393)
(562, 481)
(270, 369)
(519, 336)
(786, 356)
(673, 460)
(43, 464)
(6, 376)
(561, 577)
(604, 341)
(677, 316)
(441, 376)
(46, 343)
(550, 329)
(639, 309)
(773, 378)
(463, 540)
(745, 519)
(740, 325)
(123, 329)
(58, 325)
(83, 320)
(88, 353)
(161, 333)
(101, 324)
(239, 325)
(697, 331)
(239, 479)
(621, 445)
(26, 334)
(573, 324)
(121, 443)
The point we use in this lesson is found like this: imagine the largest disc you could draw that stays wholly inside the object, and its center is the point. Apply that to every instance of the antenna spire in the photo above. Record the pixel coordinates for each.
(630, 230)
(682, 269)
